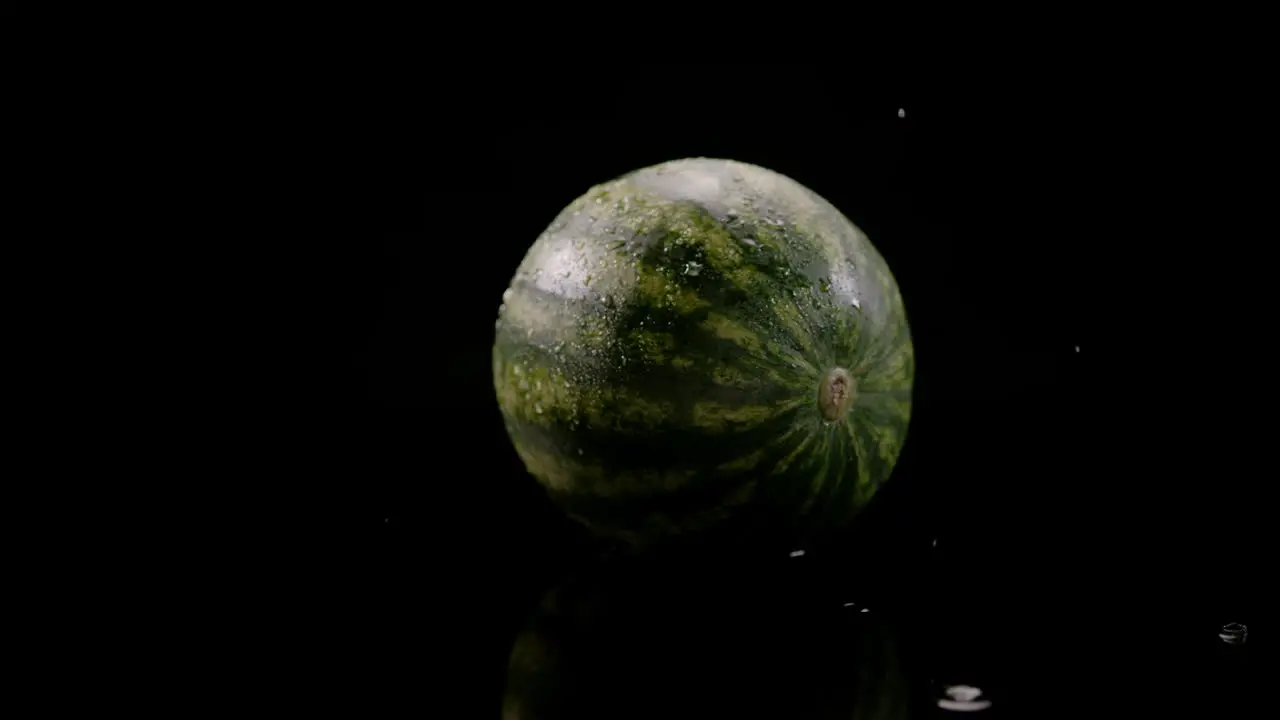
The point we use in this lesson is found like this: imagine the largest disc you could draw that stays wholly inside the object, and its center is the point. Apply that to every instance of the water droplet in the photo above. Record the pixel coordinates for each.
(963, 698)
(508, 294)
(749, 241)
(1234, 633)
(538, 407)
(517, 370)
(797, 553)
(692, 268)
(579, 451)
(902, 113)
(1077, 348)
(537, 384)
(566, 384)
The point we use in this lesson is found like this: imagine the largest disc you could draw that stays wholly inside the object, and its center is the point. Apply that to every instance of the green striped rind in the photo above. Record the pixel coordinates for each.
(659, 351)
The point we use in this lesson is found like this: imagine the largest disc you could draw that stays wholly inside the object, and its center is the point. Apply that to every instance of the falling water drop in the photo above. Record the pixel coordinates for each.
(963, 698)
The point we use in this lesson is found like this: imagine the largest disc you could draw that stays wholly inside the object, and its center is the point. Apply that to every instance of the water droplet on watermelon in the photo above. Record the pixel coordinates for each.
(538, 408)
(516, 369)
(692, 268)
(750, 242)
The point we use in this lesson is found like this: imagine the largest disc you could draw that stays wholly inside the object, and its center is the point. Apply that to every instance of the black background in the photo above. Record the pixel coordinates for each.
(1095, 510)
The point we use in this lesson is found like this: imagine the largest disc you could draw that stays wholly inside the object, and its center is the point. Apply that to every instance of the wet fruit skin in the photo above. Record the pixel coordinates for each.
(705, 346)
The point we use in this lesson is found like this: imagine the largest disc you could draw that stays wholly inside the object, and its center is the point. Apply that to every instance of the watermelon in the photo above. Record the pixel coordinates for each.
(705, 348)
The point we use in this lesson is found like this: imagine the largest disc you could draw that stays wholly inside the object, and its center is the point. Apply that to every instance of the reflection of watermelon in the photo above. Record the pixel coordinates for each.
(704, 340)
(680, 646)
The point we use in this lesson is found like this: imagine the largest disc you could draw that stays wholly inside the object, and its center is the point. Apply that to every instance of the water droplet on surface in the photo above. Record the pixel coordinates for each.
(1077, 348)
(517, 370)
(538, 407)
(1234, 633)
(579, 451)
(963, 698)
(692, 268)
(902, 113)
(797, 553)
